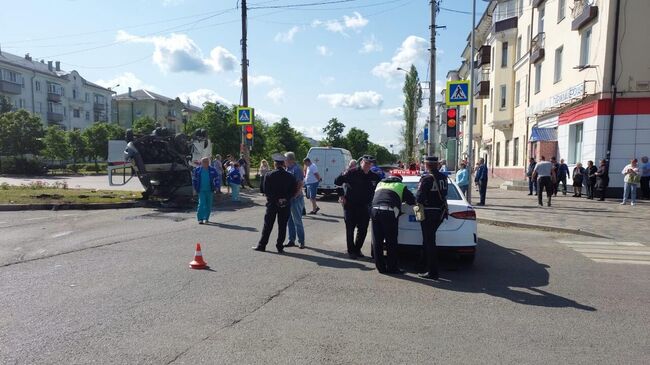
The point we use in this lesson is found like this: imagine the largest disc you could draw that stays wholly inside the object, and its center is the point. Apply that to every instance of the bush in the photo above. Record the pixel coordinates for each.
(22, 166)
(88, 167)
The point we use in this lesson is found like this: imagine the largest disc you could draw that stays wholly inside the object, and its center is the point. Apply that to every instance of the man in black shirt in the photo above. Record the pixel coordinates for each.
(356, 203)
(432, 195)
(386, 208)
(279, 187)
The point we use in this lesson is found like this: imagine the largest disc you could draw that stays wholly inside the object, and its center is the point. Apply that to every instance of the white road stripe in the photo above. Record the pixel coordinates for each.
(37, 218)
(601, 243)
(614, 261)
(61, 234)
(612, 252)
(618, 252)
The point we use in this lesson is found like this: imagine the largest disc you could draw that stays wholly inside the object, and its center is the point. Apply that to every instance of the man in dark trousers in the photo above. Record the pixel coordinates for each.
(481, 179)
(386, 208)
(432, 195)
(356, 203)
(279, 187)
(544, 173)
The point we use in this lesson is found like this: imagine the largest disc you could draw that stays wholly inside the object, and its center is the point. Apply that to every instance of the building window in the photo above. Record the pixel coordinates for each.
(75, 113)
(491, 99)
(87, 115)
(492, 58)
(585, 43)
(474, 116)
(528, 37)
(557, 77)
(520, 7)
(484, 114)
(561, 6)
(517, 92)
(37, 85)
(502, 100)
(541, 12)
(74, 94)
(87, 97)
(504, 54)
(575, 138)
(506, 161)
(538, 77)
(527, 89)
(515, 152)
(498, 156)
(518, 48)
(40, 107)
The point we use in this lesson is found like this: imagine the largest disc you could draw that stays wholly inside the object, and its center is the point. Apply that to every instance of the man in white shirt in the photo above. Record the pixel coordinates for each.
(545, 175)
(312, 178)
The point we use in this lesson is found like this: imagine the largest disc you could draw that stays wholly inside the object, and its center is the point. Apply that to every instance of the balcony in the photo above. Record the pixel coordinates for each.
(54, 117)
(483, 56)
(537, 3)
(99, 106)
(10, 87)
(482, 89)
(583, 14)
(505, 16)
(53, 97)
(537, 48)
(502, 125)
(505, 24)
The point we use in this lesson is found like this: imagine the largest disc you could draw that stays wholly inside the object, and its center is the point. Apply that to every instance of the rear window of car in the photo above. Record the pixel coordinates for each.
(452, 192)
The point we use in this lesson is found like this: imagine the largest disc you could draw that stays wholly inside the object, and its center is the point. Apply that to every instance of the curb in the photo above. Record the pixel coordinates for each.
(538, 227)
(89, 206)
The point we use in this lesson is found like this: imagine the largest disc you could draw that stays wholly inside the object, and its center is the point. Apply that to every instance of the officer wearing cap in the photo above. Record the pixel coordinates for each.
(432, 195)
(279, 187)
(356, 203)
(386, 208)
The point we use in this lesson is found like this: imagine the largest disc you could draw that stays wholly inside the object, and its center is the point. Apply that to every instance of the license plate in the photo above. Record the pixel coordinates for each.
(412, 218)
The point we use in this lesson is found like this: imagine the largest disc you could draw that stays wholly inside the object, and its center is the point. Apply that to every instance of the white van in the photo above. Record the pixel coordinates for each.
(331, 162)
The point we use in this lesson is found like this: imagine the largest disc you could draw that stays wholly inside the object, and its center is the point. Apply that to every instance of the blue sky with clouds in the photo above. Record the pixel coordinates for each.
(309, 64)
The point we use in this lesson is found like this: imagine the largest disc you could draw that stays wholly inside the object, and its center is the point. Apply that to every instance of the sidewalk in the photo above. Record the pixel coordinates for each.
(607, 219)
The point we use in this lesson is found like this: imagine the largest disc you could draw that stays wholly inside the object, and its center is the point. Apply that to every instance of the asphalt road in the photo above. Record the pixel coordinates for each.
(111, 287)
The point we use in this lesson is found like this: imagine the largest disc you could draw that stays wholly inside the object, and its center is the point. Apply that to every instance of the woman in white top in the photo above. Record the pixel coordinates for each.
(312, 178)
(632, 180)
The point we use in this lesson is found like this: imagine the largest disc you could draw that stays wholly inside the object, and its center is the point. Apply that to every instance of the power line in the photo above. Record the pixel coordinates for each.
(300, 5)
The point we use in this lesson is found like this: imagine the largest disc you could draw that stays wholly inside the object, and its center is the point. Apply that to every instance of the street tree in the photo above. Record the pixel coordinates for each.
(144, 125)
(96, 137)
(282, 137)
(77, 145)
(219, 121)
(381, 154)
(412, 103)
(115, 131)
(5, 104)
(356, 141)
(334, 134)
(20, 133)
(56, 144)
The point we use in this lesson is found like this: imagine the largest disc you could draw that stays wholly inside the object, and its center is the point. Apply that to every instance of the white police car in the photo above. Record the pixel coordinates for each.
(456, 234)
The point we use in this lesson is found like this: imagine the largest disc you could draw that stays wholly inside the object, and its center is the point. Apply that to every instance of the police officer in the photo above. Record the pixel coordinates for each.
(356, 203)
(279, 187)
(432, 194)
(386, 208)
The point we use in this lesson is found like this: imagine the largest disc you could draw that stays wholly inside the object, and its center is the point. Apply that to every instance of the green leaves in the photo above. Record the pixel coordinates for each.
(20, 133)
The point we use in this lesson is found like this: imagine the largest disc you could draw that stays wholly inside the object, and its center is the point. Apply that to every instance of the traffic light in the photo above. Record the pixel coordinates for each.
(451, 122)
(248, 134)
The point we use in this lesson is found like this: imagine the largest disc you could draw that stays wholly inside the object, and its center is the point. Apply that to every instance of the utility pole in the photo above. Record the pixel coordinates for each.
(470, 129)
(432, 85)
(243, 148)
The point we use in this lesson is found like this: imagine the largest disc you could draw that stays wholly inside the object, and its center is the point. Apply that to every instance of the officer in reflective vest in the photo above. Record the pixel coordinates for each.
(386, 208)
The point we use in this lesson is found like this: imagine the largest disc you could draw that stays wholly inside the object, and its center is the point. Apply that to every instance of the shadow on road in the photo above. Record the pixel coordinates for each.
(504, 273)
(232, 226)
(336, 260)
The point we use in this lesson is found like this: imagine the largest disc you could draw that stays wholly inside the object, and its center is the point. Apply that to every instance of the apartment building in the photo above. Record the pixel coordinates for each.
(167, 112)
(57, 96)
(551, 78)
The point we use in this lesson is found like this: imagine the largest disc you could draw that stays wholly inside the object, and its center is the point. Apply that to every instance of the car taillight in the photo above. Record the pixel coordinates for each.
(465, 214)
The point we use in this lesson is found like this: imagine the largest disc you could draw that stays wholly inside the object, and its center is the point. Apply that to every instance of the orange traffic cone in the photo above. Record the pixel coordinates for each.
(198, 262)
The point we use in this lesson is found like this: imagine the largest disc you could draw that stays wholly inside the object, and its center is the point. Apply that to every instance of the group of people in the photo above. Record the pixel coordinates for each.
(367, 195)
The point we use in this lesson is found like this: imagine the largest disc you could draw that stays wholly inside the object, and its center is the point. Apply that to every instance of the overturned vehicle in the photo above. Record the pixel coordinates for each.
(162, 161)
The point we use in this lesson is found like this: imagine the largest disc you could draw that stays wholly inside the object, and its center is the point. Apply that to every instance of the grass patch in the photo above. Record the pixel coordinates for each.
(58, 193)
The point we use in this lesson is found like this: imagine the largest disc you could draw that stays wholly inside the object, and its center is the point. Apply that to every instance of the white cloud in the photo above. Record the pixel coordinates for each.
(200, 96)
(125, 80)
(324, 51)
(357, 100)
(276, 95)
(256, 80)
(355, 22)
(178, 52)
(394, 123)
(371, 45)
(268, 117)
(413, 50)
(311, 131)
(393, 112)
(327, 80)
(287, 37)
(172, 2)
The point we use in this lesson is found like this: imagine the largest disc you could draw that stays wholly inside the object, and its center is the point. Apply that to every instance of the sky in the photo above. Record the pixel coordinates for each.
(308, 63)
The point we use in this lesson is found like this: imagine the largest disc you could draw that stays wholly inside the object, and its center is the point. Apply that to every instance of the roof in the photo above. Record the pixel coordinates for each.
(142, 94)
(543, 134)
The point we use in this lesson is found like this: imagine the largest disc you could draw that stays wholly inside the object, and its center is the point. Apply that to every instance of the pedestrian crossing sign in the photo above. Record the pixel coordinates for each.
(457, 93)
(245, 115)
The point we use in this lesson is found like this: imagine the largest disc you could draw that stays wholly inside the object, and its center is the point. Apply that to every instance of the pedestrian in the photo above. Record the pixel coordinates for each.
(216, 163)
(481, 179)
(312, 179)
(235, 181)
(296, 202)
(590, 175)
(477, 185)
(562, 174)
(632, 180)
(243, 163)
(386, 209)
(556, 168)
(227, 167)
(532, 184)
(261, 173)
(602, 180)
(644, 171)
(462, 178)
(356, 204)
(279, 186)
(243, 174)
(544, 174)
(432, 197)
(352, 164)
(204, 181)
(443, 166)
(578, 177)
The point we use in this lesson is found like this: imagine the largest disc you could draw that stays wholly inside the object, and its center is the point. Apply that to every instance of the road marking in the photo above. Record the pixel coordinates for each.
(615, 261)
(61, 234)
(37, 218)
(612, 252)
(603, 243)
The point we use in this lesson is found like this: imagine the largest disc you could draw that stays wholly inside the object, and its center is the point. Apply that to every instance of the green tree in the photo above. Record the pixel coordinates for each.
(219, 121)
(96, 137)
(115, 131)
(77, 145)
(412, 103)
(381, 153)
(334, 134)
(357, 142)
(144, 125)
(5, 104)
(20, 133)
(282, 137)
(56, 144)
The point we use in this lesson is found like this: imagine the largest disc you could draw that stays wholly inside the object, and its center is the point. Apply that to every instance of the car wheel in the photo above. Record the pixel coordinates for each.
(467, 259)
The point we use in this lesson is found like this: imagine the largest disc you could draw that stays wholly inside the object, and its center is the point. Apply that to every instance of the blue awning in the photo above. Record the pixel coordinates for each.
(543, 134)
